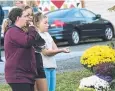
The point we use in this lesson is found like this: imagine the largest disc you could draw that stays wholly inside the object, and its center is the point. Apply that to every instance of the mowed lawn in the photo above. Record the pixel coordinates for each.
(67, 81)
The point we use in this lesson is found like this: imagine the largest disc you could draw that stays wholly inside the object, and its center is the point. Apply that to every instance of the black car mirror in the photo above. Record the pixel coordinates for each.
(98, 16)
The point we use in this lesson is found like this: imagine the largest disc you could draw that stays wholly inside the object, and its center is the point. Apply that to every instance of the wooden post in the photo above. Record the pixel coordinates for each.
(82, 3)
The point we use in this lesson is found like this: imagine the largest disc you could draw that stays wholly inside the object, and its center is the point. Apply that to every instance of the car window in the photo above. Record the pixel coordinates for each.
(87, 13)
(78, 15)
(6, 13)
(60, 13)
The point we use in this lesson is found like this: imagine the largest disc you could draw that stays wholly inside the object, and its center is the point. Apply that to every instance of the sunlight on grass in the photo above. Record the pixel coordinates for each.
(4, 87)
(67, 81)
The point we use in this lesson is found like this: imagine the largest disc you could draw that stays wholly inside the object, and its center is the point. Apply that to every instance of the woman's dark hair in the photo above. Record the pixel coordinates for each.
(14, 13)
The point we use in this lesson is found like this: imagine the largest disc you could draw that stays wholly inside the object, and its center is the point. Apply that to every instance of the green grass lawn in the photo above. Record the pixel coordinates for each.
(67, 81)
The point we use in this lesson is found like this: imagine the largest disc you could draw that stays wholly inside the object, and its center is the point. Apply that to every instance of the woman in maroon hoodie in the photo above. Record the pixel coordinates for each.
(20, 66)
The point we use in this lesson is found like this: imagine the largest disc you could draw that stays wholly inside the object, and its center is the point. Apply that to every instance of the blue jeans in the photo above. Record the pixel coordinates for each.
(51, 78)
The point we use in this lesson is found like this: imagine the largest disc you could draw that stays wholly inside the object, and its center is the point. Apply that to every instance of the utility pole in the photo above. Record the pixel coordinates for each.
(82, 3)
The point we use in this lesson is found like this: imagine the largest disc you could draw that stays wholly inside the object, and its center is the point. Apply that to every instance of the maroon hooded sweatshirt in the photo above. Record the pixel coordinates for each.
(20, 65)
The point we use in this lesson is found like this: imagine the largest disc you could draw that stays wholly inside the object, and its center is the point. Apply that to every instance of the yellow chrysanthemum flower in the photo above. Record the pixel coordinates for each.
(98, 54)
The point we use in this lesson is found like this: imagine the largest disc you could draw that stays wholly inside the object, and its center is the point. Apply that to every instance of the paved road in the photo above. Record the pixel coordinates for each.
(65, 62)
(65, 59)
(60, 58)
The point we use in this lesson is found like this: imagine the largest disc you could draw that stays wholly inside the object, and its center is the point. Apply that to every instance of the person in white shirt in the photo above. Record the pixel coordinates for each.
(51, 49)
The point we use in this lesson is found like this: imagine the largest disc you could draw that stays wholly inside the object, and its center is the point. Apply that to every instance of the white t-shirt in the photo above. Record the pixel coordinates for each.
(48, 61)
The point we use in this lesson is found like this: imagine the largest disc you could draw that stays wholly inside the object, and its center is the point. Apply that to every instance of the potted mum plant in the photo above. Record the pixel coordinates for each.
(100, 60)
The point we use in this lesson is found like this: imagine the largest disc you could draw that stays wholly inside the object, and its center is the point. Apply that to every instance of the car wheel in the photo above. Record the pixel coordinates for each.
(108, 33)
(74, 38)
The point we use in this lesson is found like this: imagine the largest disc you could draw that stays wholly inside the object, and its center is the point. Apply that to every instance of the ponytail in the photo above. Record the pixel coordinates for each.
(6, 23)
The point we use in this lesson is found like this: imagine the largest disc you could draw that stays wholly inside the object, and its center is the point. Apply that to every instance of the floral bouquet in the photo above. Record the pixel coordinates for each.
(100, 60)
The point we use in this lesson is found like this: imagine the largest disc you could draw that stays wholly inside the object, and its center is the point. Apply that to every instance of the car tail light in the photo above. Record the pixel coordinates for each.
(58, 23)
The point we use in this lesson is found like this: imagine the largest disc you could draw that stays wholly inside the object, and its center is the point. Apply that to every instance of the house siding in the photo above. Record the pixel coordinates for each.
(101, 7)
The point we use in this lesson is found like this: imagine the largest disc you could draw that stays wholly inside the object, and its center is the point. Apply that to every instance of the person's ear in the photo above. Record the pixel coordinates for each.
(17, 18)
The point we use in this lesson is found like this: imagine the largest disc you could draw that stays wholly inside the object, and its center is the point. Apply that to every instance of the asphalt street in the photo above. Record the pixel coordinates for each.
(62, 58)
(65, 61)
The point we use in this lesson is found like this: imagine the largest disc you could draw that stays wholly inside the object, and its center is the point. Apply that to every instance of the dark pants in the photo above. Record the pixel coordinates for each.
(22, 86)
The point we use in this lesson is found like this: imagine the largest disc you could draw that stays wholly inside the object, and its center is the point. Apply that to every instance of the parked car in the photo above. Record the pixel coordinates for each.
(75, 24)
